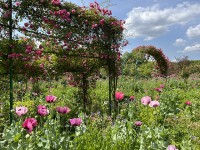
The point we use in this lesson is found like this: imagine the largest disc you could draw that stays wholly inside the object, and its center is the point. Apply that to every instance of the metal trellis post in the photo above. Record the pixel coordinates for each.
(11, 62)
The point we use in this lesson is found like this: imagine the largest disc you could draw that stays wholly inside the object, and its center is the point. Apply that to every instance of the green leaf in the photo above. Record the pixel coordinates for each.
(40, 144)
(17, 137)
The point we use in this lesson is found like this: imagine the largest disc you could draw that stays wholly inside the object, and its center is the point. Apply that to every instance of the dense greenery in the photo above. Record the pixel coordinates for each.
(135, 64)
(78, 61)
(174, 122)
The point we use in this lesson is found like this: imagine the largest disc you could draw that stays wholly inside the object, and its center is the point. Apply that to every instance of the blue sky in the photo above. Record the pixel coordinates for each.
(172, 25)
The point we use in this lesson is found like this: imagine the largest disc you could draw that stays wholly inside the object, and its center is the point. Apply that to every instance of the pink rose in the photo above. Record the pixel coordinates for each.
(146, 100)
(55, 2)
(102, 22)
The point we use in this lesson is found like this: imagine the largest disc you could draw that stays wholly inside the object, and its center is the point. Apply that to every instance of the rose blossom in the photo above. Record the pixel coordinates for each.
(55, 2)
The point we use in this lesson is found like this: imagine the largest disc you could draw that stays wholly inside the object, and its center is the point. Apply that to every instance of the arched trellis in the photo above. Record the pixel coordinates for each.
(161, 60)
(73, 39)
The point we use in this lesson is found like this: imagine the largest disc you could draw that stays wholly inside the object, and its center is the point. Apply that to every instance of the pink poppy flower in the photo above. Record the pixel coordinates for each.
(63, 110)
(132, 98)
(154, 104)
(50, 98)
(119, 96)
(21, 110)
(75, 121)
(55, 2)
(146, 100)
(138, 123)
(188, 103)
(17, 3)
(29, 124)
(162, 86)
(42, 110)
(171, 147)
(158, 89)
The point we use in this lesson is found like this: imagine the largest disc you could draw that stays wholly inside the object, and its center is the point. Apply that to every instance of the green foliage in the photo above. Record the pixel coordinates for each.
(173, 122)
(161, 60)
(185, 68)
(30, 104)
(47, 136)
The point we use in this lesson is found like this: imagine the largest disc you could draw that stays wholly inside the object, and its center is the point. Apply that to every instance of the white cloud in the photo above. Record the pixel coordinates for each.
(180, 42)
(150, 22)
(193, 31)
(194, 48)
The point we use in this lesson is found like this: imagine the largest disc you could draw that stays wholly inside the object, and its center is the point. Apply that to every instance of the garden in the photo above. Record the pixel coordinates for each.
(66, 85)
